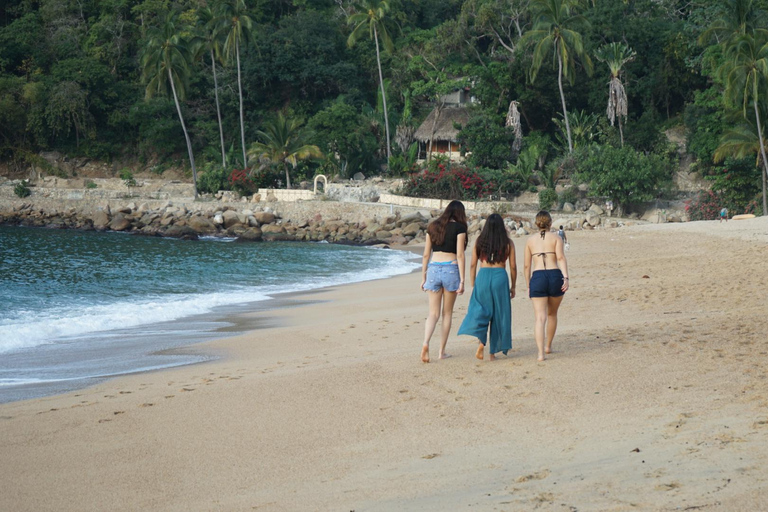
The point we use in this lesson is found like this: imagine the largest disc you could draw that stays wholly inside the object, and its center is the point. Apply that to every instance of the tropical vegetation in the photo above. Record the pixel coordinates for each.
(283, 90)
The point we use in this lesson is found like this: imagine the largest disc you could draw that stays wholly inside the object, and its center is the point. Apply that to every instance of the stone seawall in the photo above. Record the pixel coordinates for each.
(167, 209)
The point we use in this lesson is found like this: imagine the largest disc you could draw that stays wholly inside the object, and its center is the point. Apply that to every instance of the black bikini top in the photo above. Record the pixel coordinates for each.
(543, 254)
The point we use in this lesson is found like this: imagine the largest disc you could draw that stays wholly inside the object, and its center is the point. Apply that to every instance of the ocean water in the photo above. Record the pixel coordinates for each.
(79, 307)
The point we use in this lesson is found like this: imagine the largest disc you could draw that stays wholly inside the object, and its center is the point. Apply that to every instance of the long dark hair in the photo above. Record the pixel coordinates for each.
(493, 243)
(436, 229)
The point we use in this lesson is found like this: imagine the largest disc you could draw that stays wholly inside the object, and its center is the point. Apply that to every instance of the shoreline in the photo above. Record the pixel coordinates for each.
(654, 399)
(184, 343)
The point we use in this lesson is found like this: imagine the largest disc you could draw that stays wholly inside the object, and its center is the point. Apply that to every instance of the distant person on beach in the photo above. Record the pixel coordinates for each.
(561, 234)
(724, 214)
(546, 276)
(442, 271)
(492, 290)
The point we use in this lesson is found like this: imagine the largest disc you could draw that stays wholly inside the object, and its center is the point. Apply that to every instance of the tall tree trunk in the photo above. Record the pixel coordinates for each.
(218, 110)
(621, 132)
(287, 176)
(762, 153)
(562, 98)
(240, 90)
(434, 128)
(186, 135)
(383, 93)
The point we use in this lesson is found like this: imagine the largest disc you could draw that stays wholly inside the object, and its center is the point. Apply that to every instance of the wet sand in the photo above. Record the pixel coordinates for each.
(656, 398)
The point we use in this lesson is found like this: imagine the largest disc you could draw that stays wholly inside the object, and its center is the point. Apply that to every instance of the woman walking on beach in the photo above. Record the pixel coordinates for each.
(442, 271)
(492, 291)
(546, 276)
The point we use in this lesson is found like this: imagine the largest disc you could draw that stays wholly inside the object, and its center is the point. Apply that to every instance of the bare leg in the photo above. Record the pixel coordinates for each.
(480, 349)
(449, 299)
(553, 306)
(540, 306)
(435, 298)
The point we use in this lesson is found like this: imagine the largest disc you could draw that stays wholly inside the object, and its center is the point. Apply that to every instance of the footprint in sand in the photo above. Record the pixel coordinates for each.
(668, 487)
(541, 475)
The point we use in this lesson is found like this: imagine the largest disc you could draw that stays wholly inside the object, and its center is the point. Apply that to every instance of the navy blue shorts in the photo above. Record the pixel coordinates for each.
(546, 283)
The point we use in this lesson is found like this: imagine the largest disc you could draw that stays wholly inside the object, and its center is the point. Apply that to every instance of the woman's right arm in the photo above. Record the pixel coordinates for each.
(527, 266)
(425, 261)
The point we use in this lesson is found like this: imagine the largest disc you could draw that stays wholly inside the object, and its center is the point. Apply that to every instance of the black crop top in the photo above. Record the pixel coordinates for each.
(452, 232)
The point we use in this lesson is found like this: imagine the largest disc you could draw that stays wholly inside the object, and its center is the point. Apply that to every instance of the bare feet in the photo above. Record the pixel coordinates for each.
(548, 350)
(491, 357)
(425, 354)
(479, 353)
(541, 357)
(444, 356)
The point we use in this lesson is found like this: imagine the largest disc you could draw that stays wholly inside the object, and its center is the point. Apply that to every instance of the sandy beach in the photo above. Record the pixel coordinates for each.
(656, 398)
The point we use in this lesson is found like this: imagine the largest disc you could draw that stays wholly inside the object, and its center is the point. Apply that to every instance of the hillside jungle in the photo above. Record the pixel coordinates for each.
(246, 93)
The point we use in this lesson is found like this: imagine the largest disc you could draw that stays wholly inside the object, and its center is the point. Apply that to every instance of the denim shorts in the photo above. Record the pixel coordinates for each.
(546, 283)
(443, 275)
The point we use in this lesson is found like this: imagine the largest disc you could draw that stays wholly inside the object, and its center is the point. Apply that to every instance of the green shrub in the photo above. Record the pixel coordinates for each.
(547, 199)
(268, 177)
(501, 184)
(90, 184)
(623, 175)
(21, 189)
(127, 176)
(213, 178)
(568, 196)
(736, 183)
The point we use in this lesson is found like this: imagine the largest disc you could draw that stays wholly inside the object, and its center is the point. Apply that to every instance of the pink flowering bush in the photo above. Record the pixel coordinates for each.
(705, 206)
(448, 180)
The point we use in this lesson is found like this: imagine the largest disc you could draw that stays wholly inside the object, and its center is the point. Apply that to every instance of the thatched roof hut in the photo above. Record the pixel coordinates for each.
(444, 131)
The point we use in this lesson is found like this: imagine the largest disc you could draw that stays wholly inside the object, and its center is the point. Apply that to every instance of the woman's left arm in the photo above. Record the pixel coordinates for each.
(461, 259)
(562, 264)
(512, 269)
(425, 261)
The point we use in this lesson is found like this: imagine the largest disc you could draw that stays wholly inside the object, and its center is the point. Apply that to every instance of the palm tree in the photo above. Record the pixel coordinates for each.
(371, 16)
(616, 55)
(745, 75)
(584, 128)
(209, 40)
(284, 141)
(235, 25)
(165, 63)
(739, 141)
(552, 29)
(739, 18)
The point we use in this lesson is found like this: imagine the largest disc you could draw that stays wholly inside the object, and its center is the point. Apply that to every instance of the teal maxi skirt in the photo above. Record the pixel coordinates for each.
(490, 305)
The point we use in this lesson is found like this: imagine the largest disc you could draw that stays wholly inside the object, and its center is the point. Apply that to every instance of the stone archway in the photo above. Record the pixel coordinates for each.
(325, 183)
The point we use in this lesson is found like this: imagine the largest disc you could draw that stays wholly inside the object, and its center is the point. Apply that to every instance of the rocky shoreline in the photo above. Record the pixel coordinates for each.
(162, 210)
